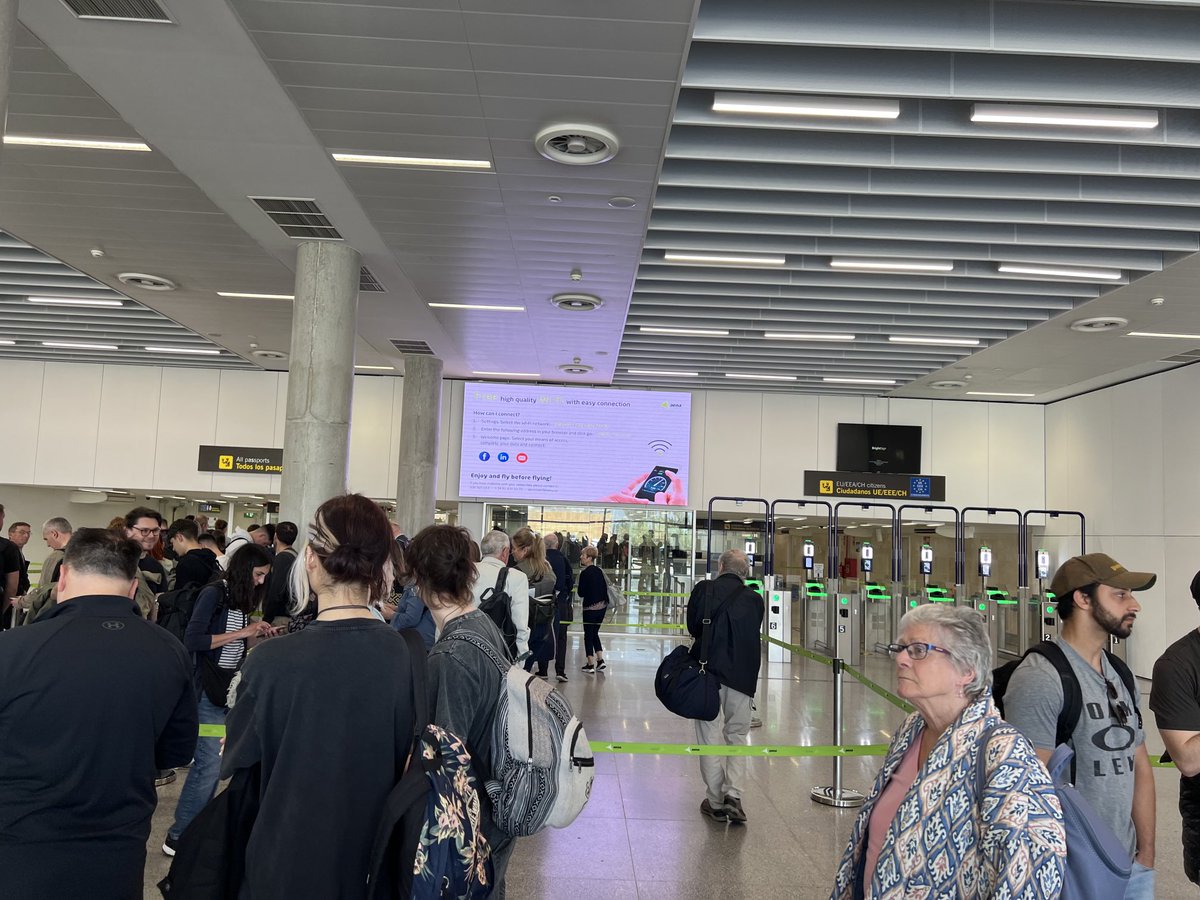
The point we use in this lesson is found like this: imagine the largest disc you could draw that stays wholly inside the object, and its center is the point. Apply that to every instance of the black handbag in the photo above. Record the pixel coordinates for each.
(683, 683)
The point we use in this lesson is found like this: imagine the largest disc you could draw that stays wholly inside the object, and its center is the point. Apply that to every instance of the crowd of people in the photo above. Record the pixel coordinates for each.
(963, 804)
(191, 610)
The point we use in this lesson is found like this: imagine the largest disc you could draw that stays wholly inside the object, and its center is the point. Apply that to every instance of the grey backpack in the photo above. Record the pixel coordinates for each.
(542, 764)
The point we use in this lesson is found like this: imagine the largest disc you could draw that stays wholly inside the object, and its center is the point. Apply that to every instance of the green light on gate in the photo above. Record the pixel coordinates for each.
(912, 604)
(1049, 610)
(845, 601)
(983, 607)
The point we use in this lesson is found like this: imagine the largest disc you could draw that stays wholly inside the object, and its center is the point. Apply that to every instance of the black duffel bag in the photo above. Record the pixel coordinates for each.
(683, 683)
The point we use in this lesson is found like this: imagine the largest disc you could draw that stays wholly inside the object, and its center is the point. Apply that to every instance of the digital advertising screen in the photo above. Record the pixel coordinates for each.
(591, 445)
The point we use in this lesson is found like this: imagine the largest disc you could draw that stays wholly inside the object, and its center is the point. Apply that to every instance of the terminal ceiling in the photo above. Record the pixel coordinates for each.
(251, 98)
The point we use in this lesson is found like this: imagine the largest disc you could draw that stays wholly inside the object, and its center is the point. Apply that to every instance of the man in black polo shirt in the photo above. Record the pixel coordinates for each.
(10, 575)
(20, 533)
(94, 700)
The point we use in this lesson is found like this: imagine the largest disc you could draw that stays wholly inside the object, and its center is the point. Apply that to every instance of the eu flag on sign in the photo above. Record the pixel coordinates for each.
(919, 488)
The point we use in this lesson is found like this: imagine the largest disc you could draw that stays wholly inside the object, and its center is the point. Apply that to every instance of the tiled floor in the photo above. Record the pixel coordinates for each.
(642, 835)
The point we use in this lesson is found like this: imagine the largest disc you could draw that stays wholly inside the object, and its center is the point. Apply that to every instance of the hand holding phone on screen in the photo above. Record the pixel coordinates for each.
(666, 489)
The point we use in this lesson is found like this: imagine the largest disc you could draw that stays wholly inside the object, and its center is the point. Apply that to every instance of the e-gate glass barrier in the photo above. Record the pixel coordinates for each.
(1049, 538)
(928, 562)
(801, 564)
(990, 541)
(864, 618)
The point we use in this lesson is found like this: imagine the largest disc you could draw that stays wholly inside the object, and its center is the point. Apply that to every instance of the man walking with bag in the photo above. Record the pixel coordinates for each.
(734, 653)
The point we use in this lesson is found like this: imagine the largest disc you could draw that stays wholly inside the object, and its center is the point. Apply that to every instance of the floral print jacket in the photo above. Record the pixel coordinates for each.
(947, 840)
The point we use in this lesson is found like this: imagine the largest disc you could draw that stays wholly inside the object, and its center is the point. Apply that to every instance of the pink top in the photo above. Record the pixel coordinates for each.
(887, 805)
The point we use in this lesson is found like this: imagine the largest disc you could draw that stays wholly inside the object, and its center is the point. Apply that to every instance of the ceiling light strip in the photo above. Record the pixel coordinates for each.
(74, 301)
(377, 368)
(934, 341)
(1164, 334)
(996, 394)
(199, 351)
(1059, 271)
(1069, 116)
(839, 380)
(510, 374)
(35, 140)
(71, 345)
(420, 162)
(789, 336)
(686, 332)
(893, 265)
(245, 295)
(724, 259)
(665, 373)
(805, 105)
(760, 377)
(483, 307)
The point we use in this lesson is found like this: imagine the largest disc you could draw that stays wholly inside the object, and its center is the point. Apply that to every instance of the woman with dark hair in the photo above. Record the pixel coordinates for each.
(464, 682)
(219, 633)
(593, 596)
(327, 713)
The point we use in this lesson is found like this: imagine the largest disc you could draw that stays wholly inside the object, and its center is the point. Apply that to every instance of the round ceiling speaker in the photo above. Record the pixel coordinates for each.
(146, 282)
(575, 302)
(576, 145)
(575, 368)
(1097, 324)
(622, 202)
(269, 354)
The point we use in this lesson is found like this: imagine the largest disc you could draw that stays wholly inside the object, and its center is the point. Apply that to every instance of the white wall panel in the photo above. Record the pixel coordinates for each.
(397, 409)
(696, 465)
(127, 432)
(1137, 463)
(960, 450)
(789, 443)
(1015, 455)
(371, 436)
(450, 450)
(733, 445)
(187, 418)
(915, 412)
(19, 449)
(831, 411)
(1179, 439)
(66, 435)
(246, 404)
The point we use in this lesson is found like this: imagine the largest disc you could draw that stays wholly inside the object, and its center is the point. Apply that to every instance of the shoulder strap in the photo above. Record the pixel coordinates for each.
(416, 668)
(479, 643)
(1130, 684)
(706, 625)
(1072, 708)
(502, 579)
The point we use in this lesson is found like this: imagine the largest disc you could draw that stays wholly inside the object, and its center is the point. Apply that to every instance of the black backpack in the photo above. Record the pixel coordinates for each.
(175, 609)
(1068, 716)
(496, 602)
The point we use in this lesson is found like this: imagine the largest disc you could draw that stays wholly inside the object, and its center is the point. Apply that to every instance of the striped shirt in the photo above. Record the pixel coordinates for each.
(232, 653)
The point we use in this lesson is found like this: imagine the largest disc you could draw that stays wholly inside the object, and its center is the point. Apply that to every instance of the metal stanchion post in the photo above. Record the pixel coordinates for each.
(835, 794)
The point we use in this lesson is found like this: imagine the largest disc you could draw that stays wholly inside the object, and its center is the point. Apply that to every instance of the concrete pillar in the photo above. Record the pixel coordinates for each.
(420, 422)
(316, 441)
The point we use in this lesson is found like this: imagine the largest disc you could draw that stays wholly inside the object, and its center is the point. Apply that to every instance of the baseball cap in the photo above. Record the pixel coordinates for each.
(1098, 568)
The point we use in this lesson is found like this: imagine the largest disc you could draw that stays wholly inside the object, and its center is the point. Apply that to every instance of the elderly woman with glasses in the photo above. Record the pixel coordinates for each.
(962, 807)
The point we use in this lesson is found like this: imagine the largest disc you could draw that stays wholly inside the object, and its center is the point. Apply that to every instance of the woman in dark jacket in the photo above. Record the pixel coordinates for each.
(219, 633)
(593, 596)
(464, 681)
(328, 715)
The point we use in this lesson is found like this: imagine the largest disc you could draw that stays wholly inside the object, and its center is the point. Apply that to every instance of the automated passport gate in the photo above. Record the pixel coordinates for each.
(1001, 611)
(850, 596)
(924, 554)
(1041, 613)
(773, 625)
(816, 618)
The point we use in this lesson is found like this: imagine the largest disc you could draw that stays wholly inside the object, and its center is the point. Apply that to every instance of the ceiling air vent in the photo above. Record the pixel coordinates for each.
(577, 302)
(1188, 356)
(413, 347)
(576, 145)
(146, 282)
(300, 219)
(120, 10)
(368, 282)
(948, 385)
(1098, 324)
(575, 367)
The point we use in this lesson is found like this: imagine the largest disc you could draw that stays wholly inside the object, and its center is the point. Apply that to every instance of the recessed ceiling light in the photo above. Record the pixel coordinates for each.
(243, 295)
(948, 385)
(198, 351)
(71, 345)
(761, 377)
(801, 105)
(477, 306)
(687, 332)
(934, 341)
(74, 301)
(510, 374)
(859, 380)
(898, 265)
(1164, 334)
(8, 343)
(666, 373)
(790, 336)
(377, 368)
(1059, 271)
(33, 140)
(421, 162)
(622, 202)
(231, 496)
(724, 259)
(154, 496)
(1072, 116)
(996, 394)
(1098, 324)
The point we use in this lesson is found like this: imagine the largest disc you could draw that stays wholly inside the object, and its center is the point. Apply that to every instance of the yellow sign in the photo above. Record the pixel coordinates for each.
(225, 462)
(826, 486)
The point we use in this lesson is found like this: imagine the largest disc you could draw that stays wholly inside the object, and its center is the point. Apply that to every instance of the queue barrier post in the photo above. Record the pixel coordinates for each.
(835, 794)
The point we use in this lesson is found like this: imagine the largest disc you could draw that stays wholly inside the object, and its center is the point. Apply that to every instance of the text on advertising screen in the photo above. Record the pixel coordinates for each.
(531, 442)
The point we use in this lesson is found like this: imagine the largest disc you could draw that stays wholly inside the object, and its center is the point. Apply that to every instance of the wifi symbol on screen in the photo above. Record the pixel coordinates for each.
(660, 447)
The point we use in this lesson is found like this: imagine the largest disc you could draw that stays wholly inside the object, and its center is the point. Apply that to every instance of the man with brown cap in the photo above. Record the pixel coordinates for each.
(1175, 699)
(1095, 598)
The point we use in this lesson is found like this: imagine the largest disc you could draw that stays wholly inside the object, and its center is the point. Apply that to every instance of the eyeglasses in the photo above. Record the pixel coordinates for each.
(1120, 711)
(148, 532)
(917, 650)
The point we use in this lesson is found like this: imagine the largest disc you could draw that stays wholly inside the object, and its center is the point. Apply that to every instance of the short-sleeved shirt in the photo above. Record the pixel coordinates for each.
(10, 560)
(1104, 748)
(1175, 699)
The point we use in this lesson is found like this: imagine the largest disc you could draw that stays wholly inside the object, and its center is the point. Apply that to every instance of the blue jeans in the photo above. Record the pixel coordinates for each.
(1141, 884)
(205, 772)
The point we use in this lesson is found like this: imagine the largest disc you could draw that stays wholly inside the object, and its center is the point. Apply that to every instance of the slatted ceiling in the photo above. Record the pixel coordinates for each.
(929, 184)
(129, 10)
